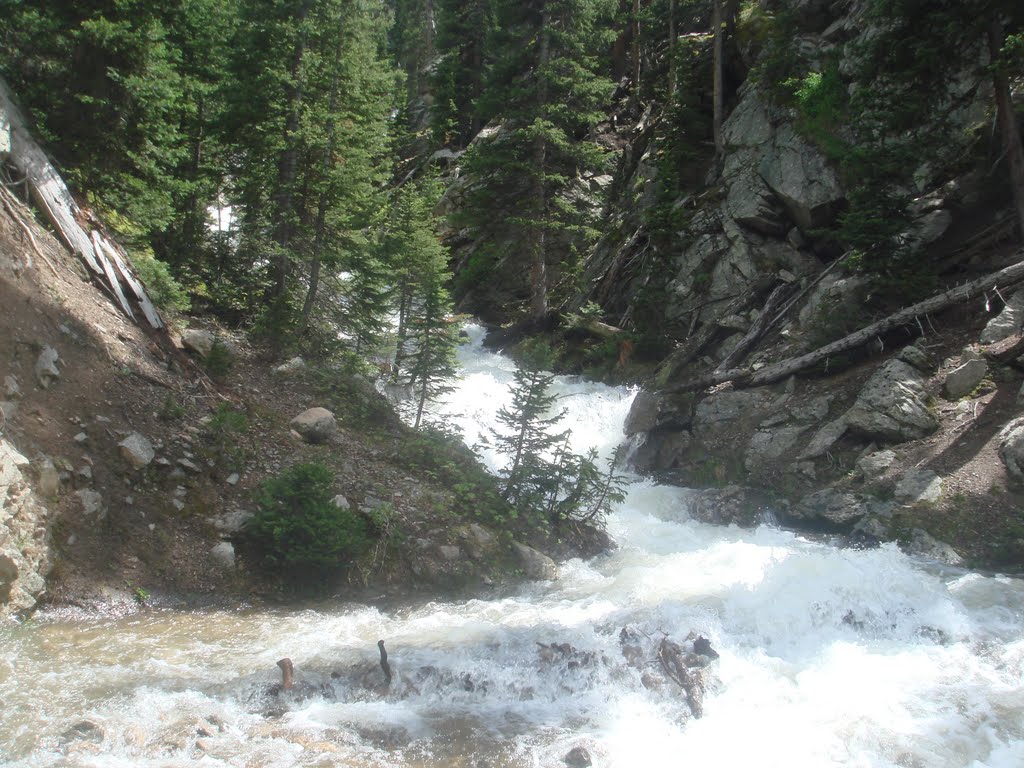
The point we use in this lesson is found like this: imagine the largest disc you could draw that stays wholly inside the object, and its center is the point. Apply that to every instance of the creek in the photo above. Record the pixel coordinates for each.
(828, 656)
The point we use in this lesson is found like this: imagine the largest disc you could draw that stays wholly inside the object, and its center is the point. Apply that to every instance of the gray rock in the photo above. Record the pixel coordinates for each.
(1011, 448)
(316, 425)
(1007, 323)
(731, 505)
(892, 406)
(963, 380)
(198, 340)
(188, 465)
(8, 410)
(291, 366)
(92, 502)
(341, 502)
(721, 407)
(660, 450)
(823, 440)
(137, 450)
(577, 757)
(233, 478)
(477, 540)
(835, 509)
(651, 410)
(801, 178)
(753, 205)
(48, 478)
(46, 367)
(12, 391)
(224, 554)
(919, 485)
(768, 447)
(536, 565)
(923, 544)
(917, 357)
(874, 464)
(930, 227)
(450, 552)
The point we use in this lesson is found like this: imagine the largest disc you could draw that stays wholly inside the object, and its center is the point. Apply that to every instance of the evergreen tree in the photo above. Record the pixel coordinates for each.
(545, 88)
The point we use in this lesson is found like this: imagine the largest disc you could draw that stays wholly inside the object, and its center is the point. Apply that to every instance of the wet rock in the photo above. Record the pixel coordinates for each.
(83, 730)
(137, 450)
(578, 757)
(731, 505)
(1007, 323)
(963, 380)
(923, 544)
(660, 450)
(869, 532)
(536, 565)
(833, 509)
(46, 367)
(316, 425)
(892, 406)
(919, 485)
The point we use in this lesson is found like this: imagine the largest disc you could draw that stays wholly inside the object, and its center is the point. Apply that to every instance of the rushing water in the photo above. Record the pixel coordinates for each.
(828, 657)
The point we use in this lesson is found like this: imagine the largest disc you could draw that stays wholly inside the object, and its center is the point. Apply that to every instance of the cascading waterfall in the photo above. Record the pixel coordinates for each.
(827, 656)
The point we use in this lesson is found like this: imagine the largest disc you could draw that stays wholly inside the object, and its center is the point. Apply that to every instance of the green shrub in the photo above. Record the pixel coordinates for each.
(166, 292)
(219, 360)
(298, 532)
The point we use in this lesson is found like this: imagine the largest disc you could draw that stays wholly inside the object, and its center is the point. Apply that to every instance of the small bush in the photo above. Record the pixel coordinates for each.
(299, 533)
(166, 292)
(219, 360)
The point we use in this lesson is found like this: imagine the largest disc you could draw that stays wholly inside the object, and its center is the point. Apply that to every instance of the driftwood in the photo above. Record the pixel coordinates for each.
(745, 377)
(53, 198)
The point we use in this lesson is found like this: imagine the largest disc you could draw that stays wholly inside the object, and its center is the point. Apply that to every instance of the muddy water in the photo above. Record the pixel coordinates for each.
(827, 657)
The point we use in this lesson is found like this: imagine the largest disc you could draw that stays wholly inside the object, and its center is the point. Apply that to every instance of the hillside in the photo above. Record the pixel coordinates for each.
(103, 530)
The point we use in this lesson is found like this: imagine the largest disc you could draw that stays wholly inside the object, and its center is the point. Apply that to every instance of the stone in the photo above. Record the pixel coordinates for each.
(1007, 323)
(477, 540)
(137, 450)
(801, 178)
(919, 485)
(660, 450)
(536, 565)
(48, 478)
(963, 380)
(874, 464)
(731, 505)
(643, 412)
(92, 502)
(341, 502)
(316, 425)
(716, 409)
(577, 757)
(46, 367)
(189, 465)
(224, 554)
(233, 478)
(8, 410)
(768, 446)
(892, 406)
(198, 340)
(923, 544)
(823, 440)
(834, 509)
(1011, 448)
(81, 437)
(12, 390)
(290, 366)
(917, 357)
(449, 552)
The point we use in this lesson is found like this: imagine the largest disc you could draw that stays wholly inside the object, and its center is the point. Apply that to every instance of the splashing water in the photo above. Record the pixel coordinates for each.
(827, 657)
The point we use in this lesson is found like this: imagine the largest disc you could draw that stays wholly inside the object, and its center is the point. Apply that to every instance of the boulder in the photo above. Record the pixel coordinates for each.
(1011, 448)
(892, 405)
(919, 485)
(768, 446)
(834, 509)
(291, 366)
(12, 390)
(731, 505)
(577, 757)
(801, 178)
(721, 408)
(874, 464)
(660, 450)
(917, 357)
(316, 425)
(923, 544)
(964, 379)
(92, 503)
(137, 450)
(198, 341)
(536, 565)
(224, 554)
(46, 367)
(1007, 323)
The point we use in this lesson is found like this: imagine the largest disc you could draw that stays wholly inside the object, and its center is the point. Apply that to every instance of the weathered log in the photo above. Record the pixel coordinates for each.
(745, 377)
(55, 200)
(756, 330)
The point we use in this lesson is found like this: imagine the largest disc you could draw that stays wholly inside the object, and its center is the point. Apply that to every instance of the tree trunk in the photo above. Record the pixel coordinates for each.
(1008, 127)
(635, 91)
(743, 377)
(671, 50)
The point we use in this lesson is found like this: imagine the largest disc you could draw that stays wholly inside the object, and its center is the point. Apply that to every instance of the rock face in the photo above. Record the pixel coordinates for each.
(24, 535)
(316, 425)
(833, 509)
(892, 406)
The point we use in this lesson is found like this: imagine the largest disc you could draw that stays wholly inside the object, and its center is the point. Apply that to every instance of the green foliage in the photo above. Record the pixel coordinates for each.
(166, 292)
(219, 360)
(223, 433)
(822, 110)
(170, 409)
(298, 533)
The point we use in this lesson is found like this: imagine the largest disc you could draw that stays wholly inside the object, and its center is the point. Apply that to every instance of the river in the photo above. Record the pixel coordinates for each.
(828, 657)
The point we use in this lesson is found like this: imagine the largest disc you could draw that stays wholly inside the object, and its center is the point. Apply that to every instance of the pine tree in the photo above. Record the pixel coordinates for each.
(544, 87)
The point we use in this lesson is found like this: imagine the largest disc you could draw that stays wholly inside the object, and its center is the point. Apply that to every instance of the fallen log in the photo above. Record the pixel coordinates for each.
(55, 200)
(746, 377)
(756, 330)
